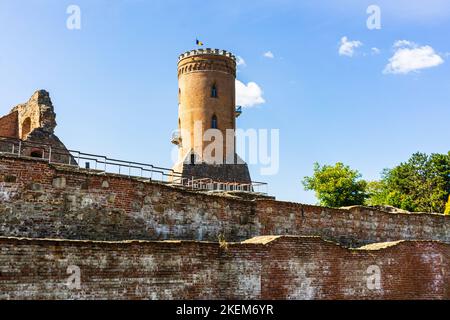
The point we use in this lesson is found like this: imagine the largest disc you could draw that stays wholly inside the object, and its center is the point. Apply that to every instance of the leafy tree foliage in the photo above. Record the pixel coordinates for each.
(336, 186)
(377, 193)
(422, 184)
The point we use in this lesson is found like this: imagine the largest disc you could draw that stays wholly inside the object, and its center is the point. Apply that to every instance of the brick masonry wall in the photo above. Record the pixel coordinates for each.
(38, 200)
(8, 125)
(274, 268)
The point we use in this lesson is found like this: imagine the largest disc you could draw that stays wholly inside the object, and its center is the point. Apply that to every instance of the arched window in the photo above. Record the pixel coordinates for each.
(214, 124)
(26, 128)
(214, 91)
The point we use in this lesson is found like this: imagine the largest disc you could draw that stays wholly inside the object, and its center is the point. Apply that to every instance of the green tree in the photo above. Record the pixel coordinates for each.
(377, 193)
(422, 184)
(336, 186)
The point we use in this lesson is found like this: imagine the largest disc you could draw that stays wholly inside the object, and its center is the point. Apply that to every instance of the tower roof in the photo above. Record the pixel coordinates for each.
(207, 51)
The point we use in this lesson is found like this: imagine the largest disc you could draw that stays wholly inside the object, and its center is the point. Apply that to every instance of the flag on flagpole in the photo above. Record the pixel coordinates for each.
(198, 42)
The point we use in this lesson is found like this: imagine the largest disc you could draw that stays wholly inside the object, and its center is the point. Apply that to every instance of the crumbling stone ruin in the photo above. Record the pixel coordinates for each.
(34, 124)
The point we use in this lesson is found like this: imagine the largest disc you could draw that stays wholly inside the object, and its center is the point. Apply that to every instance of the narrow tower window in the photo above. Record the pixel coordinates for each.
(214, 91)
(214, 122)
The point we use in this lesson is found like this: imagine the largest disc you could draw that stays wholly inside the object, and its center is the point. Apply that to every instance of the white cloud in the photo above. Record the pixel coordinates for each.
(240, 61)
(375, 51)
(347, 48)
(269, 55)
(248, 95)
(405, 43)
(409, 57)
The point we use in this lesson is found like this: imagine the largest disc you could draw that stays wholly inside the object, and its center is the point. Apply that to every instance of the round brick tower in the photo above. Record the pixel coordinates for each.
(207, 103)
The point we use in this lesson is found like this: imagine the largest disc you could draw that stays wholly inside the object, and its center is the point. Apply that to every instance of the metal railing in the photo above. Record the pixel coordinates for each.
(103, 164)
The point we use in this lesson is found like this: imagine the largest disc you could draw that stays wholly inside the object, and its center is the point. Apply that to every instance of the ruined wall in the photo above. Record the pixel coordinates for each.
(37, 113)
(34, 123)
(263, 268)
(8, 125)
(39, 200)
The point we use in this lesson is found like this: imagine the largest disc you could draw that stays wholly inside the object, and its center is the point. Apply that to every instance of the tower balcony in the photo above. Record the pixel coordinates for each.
(176, 138)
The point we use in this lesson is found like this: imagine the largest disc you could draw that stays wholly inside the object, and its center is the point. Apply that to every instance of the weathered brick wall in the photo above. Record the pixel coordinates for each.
(8, 125)
(262, 268)
(39, 200)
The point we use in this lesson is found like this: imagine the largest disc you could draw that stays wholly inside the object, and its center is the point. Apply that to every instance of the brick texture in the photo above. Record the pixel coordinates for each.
(8, 125)
(38, 200)
(278, 268)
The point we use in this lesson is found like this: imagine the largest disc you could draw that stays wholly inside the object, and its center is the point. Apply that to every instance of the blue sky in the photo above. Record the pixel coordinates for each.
(114, 82)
